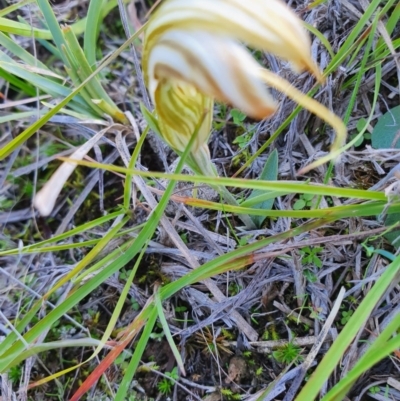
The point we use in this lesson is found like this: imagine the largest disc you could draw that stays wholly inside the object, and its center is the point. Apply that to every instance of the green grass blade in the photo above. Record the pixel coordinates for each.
(24, 115)
(132, 163)
(346, 336)
(20, 52)
(17, 28)
(321, 37)
(14, 7)
(17, 83)
(117, 226)
(81, 69)
(52, 23)
(94, 19)
(130, 371)
(167, 332)
(236, 259)
(381, 348)
(120, 304)
(281, 186)
(361, 72)
(68, 234)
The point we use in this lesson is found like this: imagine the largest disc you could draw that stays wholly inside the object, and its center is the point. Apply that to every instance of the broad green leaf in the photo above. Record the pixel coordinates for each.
(269, 173)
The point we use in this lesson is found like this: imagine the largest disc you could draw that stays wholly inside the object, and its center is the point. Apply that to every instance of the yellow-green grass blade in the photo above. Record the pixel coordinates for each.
(79, 27)
(106, 260)
(66, 235)
(114, 318)
(79, 64)
(378, 74)
(391, 24)
(338, 212)
(321, 37)
(347, 335)
(45, 84)
(316, 3)
(13, 7)
(377, 84)
(382, 52)
(26, 134)
(53, 345)
(167, 332)
(251, 202)
(84, 93)
(75, 111)
(345, 49)
(130, 371)
(344, 52)
(382, 347)
(17, 28)
(236, 259)
(94, 252)
(19, 327)
(281, 186)
(132, 163)
(53, 248)
(34, 249)
(359, 76)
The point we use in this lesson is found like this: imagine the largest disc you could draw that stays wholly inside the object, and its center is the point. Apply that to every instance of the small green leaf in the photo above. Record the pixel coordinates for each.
(361, 124)
(299, 204)
(310, 276)
(385, 134)
(308, 197)
(317, 261)
(238, 116)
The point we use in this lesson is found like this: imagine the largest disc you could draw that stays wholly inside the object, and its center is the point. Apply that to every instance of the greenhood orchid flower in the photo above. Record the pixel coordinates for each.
(193, 54)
